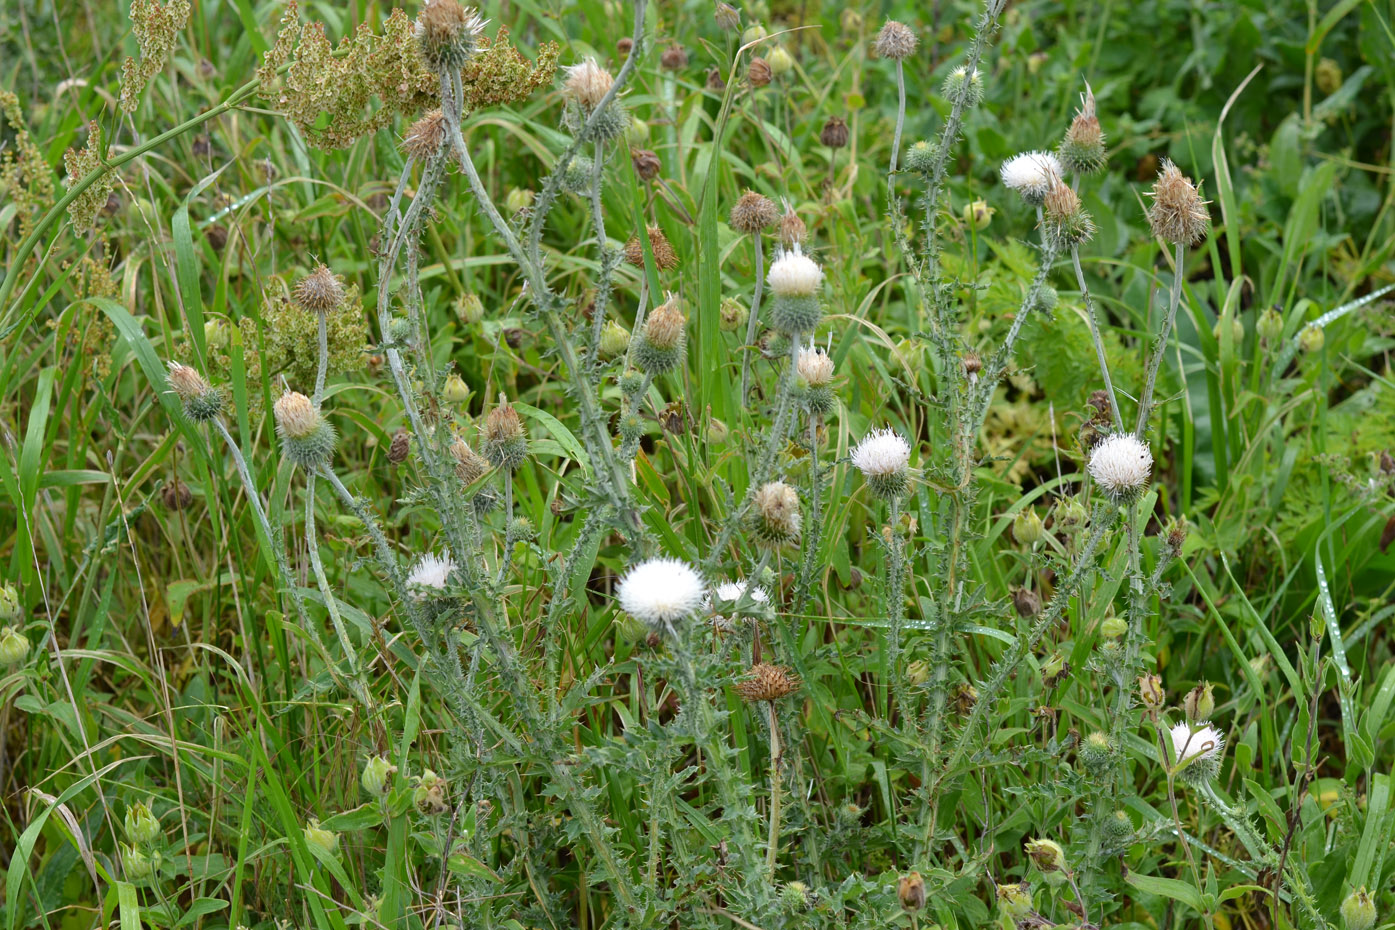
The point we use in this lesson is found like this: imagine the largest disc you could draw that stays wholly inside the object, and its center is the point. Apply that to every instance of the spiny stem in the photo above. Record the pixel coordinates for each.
(753, 321)
(772, 846)
(1098, 340)
(1145, 402)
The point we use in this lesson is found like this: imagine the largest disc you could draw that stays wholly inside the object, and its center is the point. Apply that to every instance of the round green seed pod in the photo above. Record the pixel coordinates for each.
(795, 314)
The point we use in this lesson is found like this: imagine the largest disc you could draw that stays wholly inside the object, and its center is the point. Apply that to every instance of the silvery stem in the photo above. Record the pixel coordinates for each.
(1145, 402)
(1098, 340)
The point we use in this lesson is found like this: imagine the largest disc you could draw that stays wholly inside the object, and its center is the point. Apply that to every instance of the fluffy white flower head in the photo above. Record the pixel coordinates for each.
(814, 366)
(1120, 464)
(729, 592)
(431, 571)
(660, 591)
(1031, 174)
(882, 452)
(794, 274)
(587, 83)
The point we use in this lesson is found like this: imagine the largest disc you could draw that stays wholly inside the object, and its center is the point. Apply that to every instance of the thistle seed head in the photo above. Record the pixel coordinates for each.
(1120, 465)
(306, 437)
(503, 439)
(674, 57)
(753, 213)
(470, 466)
(587, 84)
(1065, 222)
(201, 400)
(425, 137)
(665, 256)
(793, 231)
(1032, 175)
(814, 366)
(1178, 214)
(895, 41)
(661, 592)
(765, 682)
(320, 291)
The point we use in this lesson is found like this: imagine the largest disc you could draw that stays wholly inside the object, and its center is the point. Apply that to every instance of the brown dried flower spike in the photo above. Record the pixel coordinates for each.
(665, 257)
(766, 682)
(1178, 214)
(320, 290)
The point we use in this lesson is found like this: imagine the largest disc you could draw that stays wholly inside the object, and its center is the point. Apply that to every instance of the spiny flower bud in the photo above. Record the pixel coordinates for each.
(577, 177)
(503, 442)
(1065, 222)
(1027, 527)
(1175, 536)
(377, 776)
(1358, 910)
(1095, 752)
(758, 72)
(665, 257)
(141, 826)
(201, 400)
(470, 466)
(1178, 214)
(1046, 855)
(1082, 149)
(306, 437)
(910, 891)
(1199, 703)
(425, 137)
(963, 84)
(615, 339)
(775, 517)
(429, 797)
(9, 602)
(920, 157)
(661, 342)
(895, 41)
(14, 647)
(318, 838)
(1118, 828)
(834, 133)
(753, 213)
(447, 35)
(798, 897)
(765, 682)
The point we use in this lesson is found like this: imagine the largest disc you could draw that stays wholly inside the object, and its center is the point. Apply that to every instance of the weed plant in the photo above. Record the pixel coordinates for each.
(679, 466)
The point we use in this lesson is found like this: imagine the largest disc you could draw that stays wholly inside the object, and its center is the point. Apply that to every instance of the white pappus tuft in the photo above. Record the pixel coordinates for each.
(431, 571)
(794, 274)
(883, 456)
(1120, 464)
(660, 591)
(1031, 175)
(729, 592)
(1198, 751)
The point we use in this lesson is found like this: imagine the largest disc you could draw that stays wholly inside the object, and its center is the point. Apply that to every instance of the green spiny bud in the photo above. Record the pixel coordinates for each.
(577, 178)
(503, 442)
(202, 401)
(1118, 828)
(797, 897)
(1095, 753)
(920, 157)
(964, 85)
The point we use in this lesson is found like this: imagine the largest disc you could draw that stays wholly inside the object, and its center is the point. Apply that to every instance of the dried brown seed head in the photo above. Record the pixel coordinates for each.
(895, 41)
(835, 133)
(758, 72)
(320, 290)
(765, 682)
(665, 256)
(1178, 214)
(753, 213)
(425, 137)
(647, 164)
(674, 57)
(664, 327)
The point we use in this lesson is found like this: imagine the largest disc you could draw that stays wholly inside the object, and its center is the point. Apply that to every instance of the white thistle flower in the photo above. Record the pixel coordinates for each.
(431, 571)
(587, 83)
(814, 365)
(729, 592)
(1031, 175)
(883, 456)
(794, 274)
(660, 591)
(1120, 464)
(1200, 749)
